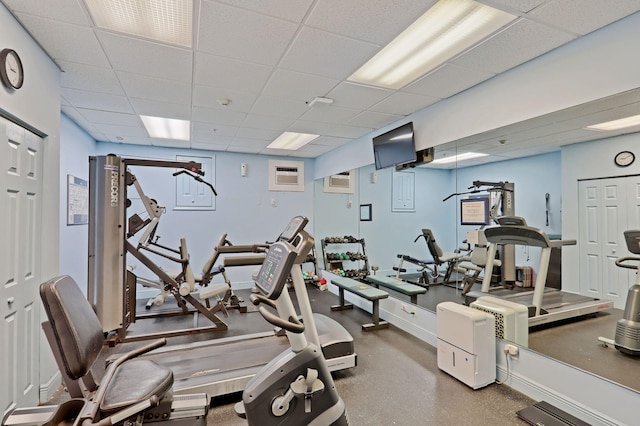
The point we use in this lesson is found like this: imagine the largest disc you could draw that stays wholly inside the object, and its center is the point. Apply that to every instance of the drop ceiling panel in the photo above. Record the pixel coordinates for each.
(217, 116)
(98, 101)
(208, 146)
(145, 57)
(158, 89)
(447, 81)
(311, 151)
(253, 143)
(108, 117)
(65, 41)
(329, 114)
(357, 96)
(374, 120)
(584, 16)
(330, 141)
(292, 10)
(209, 130)
(232, 74)
(209, 97)
(244, 149)
(68, 11)
(403, 103)
(326, 54)
(284, 108)
(522, 41)
(89, 77)
(112, 131)
(328, 129)
(295, 85)
(260, 38)
(135, 141)
(375, 21)
(161, 109)
(262, 134)
(268, 122)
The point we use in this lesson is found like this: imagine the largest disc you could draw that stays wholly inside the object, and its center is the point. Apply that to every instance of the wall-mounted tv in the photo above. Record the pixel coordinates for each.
(474, 211)
(394, 147)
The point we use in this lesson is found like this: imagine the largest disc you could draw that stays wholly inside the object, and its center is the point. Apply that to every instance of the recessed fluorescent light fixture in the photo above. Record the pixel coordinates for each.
(168, 21)
(617, 124)
(166, 128)
(291, 140)
(459, 157)
(445, 30)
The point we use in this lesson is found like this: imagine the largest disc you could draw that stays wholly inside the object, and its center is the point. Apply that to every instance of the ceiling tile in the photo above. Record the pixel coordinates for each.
(331, 141)
(161, 109)
(210, 130)
(112, 131)
(136, 141)
(448, 80)
(352, 95)
(262, 134)
(253, 143)
(208, 146)
(509, 5)
(232, 74)
(403, 103)
(157, 89)
(108, 117)
(65, 41)
(93, 100)
(295, 85)
(584, 16)
(218, 116)
(89, 77)
(244, 149)
(375, 21)
(268, 122)
(208, 97)
(292, 10)
(522, 41)
(267, 105)
(329, 129)
(261, 39)
(148, 58)
(68, 11)
(330, 55)
(329, 114)
(374, 120)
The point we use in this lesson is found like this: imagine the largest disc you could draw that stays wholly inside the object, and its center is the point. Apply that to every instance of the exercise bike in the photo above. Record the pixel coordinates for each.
(627, 339)
(296, 387)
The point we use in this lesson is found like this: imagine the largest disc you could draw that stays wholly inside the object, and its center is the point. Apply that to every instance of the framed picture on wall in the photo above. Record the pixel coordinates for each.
(365, 213)
(77, 201)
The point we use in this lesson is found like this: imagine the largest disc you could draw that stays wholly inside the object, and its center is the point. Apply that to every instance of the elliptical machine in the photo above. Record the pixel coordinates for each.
(627, 338)
(296, 387)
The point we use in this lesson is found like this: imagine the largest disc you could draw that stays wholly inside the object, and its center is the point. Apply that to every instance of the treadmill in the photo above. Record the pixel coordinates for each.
(223, 366)
(546, 305)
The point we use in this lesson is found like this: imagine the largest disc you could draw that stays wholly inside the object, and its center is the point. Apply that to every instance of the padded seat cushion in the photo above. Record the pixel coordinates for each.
(135, 381)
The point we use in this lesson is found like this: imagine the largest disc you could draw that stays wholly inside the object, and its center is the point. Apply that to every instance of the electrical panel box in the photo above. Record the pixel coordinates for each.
(466, 344)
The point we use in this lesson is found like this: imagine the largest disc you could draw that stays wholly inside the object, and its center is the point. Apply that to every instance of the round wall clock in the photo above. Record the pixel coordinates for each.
(624, 158)
(11, 72)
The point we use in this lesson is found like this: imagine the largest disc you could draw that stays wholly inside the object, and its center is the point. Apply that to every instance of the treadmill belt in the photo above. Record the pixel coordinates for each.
(544, 414)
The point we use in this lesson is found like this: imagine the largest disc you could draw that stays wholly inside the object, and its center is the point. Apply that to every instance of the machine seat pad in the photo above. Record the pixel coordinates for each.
(135, 381)
(415, 261)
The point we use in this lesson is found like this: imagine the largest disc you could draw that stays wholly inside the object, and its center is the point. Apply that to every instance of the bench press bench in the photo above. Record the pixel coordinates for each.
(400, 286)
(365, 291)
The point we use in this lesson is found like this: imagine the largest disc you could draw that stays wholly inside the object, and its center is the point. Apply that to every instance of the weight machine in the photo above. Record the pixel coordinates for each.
(111, 287)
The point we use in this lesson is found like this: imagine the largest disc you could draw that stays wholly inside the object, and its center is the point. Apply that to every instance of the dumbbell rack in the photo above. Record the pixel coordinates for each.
(311, 277)
(335, 258)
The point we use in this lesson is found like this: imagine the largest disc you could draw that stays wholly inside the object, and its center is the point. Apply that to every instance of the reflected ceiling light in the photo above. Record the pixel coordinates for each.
(168, 21)
(622, 123)
(445, 30)
(166, 128)
(459, 157)
(292, 140)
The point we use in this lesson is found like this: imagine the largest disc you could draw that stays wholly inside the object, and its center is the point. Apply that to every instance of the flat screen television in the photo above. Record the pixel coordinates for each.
(394, 147)
(474, 211)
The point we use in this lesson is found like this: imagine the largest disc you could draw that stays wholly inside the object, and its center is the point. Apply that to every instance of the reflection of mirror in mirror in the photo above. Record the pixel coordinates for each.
(546, 182)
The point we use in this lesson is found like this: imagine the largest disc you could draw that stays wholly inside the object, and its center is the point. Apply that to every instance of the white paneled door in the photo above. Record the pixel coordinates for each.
(608, 207)
(20, 221)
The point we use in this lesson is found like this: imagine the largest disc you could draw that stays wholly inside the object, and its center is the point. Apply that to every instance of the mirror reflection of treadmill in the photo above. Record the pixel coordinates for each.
(224, 365)
(546, 305)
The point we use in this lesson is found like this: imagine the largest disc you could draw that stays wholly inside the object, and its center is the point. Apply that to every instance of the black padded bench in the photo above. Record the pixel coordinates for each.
(366, 292)
(400, 286)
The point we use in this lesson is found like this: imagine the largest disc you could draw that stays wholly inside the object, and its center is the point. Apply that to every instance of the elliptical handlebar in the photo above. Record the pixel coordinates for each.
(623, 262)
(291, 324)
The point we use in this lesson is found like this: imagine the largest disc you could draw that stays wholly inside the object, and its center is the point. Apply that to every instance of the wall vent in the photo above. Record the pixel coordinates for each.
(342, 183)
(286, 175)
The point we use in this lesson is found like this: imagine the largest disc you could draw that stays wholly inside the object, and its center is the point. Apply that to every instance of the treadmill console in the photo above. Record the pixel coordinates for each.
(275, 269)
(294, 227)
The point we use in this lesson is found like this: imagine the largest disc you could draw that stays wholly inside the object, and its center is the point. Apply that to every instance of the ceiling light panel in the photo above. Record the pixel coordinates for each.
(444, 31)
(459, 157)
(167, 128)
(622, 123)
(168, 21)
(292, 140)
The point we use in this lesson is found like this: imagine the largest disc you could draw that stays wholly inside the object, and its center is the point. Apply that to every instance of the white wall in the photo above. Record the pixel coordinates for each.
(75, 148)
